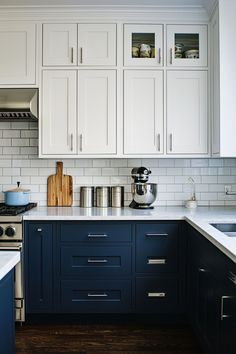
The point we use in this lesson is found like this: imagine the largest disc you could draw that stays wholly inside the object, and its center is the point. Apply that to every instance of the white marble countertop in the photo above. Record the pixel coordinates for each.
(199, 218)
(8, 260)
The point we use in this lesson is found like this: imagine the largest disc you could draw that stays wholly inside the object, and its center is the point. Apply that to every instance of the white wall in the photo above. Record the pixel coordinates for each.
(19, 162)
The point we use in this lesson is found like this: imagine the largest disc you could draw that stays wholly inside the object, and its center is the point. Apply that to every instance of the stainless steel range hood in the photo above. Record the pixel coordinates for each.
(18, 104)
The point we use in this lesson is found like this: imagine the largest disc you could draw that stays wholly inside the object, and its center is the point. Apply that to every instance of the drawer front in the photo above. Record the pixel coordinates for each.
(95, 232)
(157, 248)
(159, 295)
(95, 261)
(95, 296)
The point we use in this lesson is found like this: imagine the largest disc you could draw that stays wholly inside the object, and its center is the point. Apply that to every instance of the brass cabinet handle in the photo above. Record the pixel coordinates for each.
(156, 234)
(156, 294)
(97, 235)
(156, 261)
(159, 61)
(97, 260)
(81, 142)
(81, 55)
(171, 56)
(222, 314)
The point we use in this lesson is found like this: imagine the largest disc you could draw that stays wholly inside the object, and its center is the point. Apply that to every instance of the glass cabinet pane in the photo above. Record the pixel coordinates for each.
(187, 45)
(143, 45)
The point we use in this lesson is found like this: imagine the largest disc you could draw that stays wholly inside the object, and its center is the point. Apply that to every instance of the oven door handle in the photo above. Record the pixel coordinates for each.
(10, 248)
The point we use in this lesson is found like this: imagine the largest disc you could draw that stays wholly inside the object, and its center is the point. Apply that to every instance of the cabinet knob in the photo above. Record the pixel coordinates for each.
(39, 229)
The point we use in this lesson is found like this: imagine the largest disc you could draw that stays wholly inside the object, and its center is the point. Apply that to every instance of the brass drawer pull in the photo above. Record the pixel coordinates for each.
(97, 260)
(154, 235)
(97, 295)
(97, 235)
(156, 261)
(156, 294)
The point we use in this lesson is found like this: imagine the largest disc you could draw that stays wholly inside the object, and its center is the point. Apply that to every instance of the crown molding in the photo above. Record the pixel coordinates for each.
(115, 12)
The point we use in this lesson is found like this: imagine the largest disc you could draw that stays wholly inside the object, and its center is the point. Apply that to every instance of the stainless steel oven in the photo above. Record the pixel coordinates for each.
(15, 245)
(12, 239)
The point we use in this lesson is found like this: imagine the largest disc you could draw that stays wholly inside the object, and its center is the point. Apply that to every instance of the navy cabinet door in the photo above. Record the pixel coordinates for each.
(7, 320)
(95, 296)
(39, 267)
(157, 247)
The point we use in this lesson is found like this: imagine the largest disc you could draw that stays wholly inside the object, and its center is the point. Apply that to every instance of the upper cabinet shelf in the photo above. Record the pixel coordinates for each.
(187, 45)
(143, 45)
(95, 44)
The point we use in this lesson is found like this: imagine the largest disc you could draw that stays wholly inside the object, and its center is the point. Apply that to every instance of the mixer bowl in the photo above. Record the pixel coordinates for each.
(144, 193)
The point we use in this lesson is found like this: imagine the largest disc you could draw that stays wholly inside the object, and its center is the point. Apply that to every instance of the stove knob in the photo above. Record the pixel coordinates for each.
(1, 231)
(10, 231)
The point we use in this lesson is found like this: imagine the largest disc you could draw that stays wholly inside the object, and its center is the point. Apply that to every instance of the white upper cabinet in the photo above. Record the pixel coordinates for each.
(143, 45)
(60, 44)
(187, 45)
(97, 44)
(143, 112)
(223, 29)
(17, 59)
(97, 112)
(59, 115)
(187, 108)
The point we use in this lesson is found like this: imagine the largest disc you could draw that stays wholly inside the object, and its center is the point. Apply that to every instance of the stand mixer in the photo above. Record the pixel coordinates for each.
(144, 194)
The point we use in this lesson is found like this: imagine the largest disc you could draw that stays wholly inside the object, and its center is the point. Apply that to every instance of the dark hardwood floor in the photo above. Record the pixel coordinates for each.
(94, 337)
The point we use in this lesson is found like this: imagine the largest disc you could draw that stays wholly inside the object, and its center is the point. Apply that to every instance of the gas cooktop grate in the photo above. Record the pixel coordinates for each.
(15, 210)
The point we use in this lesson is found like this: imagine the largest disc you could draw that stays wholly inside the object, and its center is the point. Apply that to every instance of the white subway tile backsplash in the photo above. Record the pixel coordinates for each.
(10, 133)
(19, 161)
(14, 171)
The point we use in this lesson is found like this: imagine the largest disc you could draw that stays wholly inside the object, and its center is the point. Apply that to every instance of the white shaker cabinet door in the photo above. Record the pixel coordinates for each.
(97, 112)
(187, 108)
(59, 112)
(143, 112)
(17, 59)
(59, 44)
(97, 44)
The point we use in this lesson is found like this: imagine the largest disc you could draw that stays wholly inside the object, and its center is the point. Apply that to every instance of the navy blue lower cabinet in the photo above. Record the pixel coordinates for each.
(7, 317)
(212, 295)
(228, 315)
(95, 232)
(157, 247)
(82, 261)
(39, 267)
(95, 296)
(157, 295)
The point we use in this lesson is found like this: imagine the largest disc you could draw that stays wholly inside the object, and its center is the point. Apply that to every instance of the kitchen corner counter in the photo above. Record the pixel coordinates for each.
(199, 218)
(8, 260)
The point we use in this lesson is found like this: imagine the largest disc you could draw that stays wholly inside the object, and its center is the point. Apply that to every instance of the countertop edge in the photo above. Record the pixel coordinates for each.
(8, 261)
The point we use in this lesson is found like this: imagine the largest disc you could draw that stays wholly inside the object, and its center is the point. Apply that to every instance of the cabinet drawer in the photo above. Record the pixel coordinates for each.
(156, 248)
(95, 296)
(95, 261)
(159, 294)
(95, 232)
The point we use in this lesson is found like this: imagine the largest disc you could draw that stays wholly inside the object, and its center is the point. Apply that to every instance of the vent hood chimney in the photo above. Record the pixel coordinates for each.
(18, 104)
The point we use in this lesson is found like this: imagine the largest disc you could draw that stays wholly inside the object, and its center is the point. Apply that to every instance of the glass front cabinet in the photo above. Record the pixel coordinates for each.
(187, 45)
(143, 45)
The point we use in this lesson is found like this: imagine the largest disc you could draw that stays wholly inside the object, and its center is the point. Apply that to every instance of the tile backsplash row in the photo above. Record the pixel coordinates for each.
(19, 162)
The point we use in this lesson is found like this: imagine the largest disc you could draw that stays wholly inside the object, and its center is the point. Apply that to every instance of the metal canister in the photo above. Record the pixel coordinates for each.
(117, 196)
(86, 197)
(103, 196)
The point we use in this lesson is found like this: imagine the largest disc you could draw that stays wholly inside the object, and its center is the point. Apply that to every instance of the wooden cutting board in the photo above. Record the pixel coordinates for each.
(60, 188)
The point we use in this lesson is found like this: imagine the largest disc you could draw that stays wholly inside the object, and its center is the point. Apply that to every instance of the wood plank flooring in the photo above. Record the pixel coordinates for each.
(104, 338)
